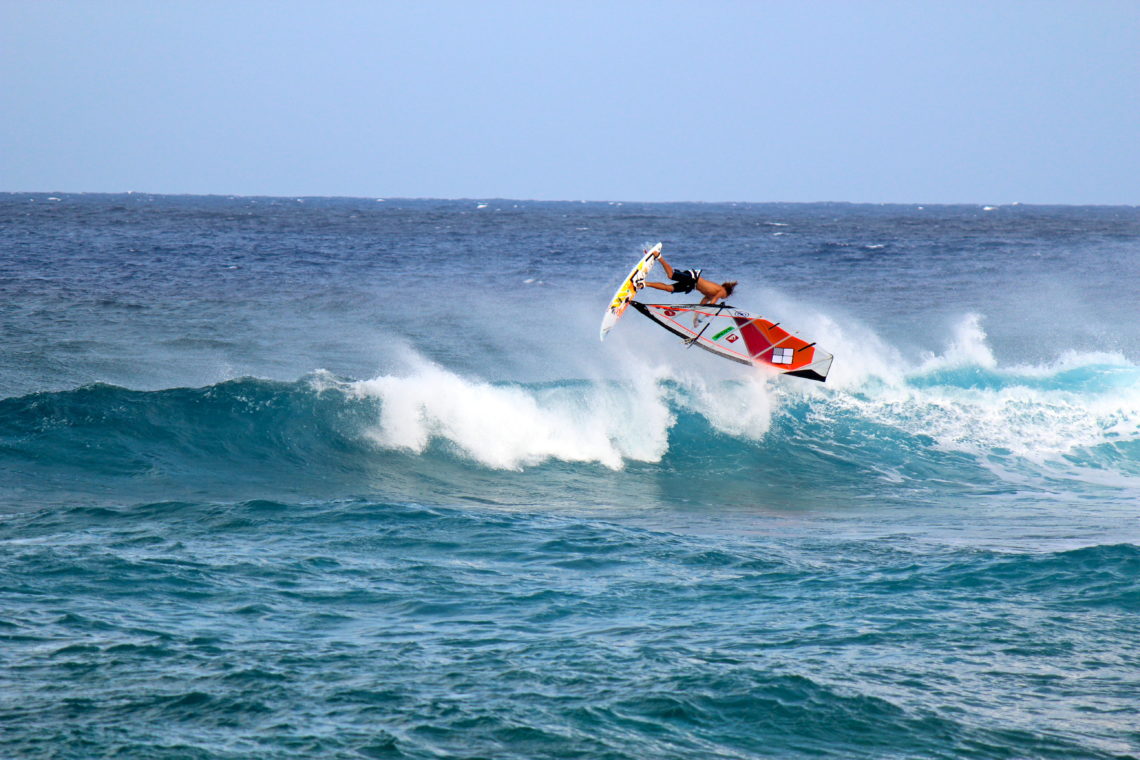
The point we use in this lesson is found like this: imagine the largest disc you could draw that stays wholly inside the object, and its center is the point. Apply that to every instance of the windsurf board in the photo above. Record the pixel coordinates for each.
(633, 282)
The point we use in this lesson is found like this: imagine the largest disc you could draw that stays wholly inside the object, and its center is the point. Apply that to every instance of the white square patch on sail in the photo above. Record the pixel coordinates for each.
(782, 355)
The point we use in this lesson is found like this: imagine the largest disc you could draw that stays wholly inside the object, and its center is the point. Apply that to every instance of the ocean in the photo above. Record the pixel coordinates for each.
(354, 478)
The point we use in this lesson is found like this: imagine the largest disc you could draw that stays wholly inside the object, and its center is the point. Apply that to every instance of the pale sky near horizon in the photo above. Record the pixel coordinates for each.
(678, 100)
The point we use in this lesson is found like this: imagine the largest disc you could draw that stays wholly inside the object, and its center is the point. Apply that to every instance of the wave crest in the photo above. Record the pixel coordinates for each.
(942, 422)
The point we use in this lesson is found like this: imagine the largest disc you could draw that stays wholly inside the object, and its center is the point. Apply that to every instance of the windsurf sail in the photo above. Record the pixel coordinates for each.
(741, 336)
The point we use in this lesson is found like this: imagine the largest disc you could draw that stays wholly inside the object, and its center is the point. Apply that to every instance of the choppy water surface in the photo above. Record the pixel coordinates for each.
(354, 478)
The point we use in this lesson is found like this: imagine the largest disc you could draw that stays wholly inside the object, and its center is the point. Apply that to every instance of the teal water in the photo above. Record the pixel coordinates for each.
(260, 497)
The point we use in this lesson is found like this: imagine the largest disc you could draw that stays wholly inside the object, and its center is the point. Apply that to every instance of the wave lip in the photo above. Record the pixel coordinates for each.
(510, 427)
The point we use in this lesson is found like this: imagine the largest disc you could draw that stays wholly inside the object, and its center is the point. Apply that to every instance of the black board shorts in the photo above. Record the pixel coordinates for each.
(686, 280)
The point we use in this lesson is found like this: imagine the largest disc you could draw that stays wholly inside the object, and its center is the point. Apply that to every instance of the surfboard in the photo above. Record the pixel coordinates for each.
(633, 282)
(742, 337)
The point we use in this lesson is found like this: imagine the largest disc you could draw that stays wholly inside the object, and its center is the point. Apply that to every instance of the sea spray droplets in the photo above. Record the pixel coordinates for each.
(967, 348)
(740, 409)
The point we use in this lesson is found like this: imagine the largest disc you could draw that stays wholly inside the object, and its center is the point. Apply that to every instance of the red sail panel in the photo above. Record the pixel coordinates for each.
(753, 336)
(775, 335)
(776, 346)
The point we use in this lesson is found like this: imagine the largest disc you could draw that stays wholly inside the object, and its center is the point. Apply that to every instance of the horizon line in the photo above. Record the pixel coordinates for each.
(493, 198)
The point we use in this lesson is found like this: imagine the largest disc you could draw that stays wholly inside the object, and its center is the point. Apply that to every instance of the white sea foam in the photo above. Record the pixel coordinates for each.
(1024, 422)
(1008, 415)
(510, 426)
(618, 404)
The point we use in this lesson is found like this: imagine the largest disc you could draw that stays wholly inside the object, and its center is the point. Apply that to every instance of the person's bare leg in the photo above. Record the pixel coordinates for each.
(660, 286)
(668, 269)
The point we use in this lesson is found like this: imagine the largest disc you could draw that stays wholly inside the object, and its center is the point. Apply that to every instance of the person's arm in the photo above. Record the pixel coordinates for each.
(709, 300)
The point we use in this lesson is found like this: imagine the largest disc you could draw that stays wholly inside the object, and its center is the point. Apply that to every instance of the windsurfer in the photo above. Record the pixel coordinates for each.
(685, 281)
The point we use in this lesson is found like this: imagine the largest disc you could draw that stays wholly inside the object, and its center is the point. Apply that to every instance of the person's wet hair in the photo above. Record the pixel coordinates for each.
(728, 287)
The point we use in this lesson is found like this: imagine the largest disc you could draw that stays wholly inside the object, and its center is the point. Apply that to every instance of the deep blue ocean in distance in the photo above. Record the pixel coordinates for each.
(355, 478)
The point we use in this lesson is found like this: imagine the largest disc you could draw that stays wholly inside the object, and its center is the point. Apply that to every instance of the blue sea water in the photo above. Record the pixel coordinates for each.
(351, 478)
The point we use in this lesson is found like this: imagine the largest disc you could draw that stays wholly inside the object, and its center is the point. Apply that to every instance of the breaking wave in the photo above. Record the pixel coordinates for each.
(955, 418)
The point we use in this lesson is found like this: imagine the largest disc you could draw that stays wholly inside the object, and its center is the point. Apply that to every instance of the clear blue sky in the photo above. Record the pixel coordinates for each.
(962, 101)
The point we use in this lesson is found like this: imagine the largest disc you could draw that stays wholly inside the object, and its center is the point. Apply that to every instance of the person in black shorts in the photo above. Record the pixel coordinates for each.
(688, 280)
